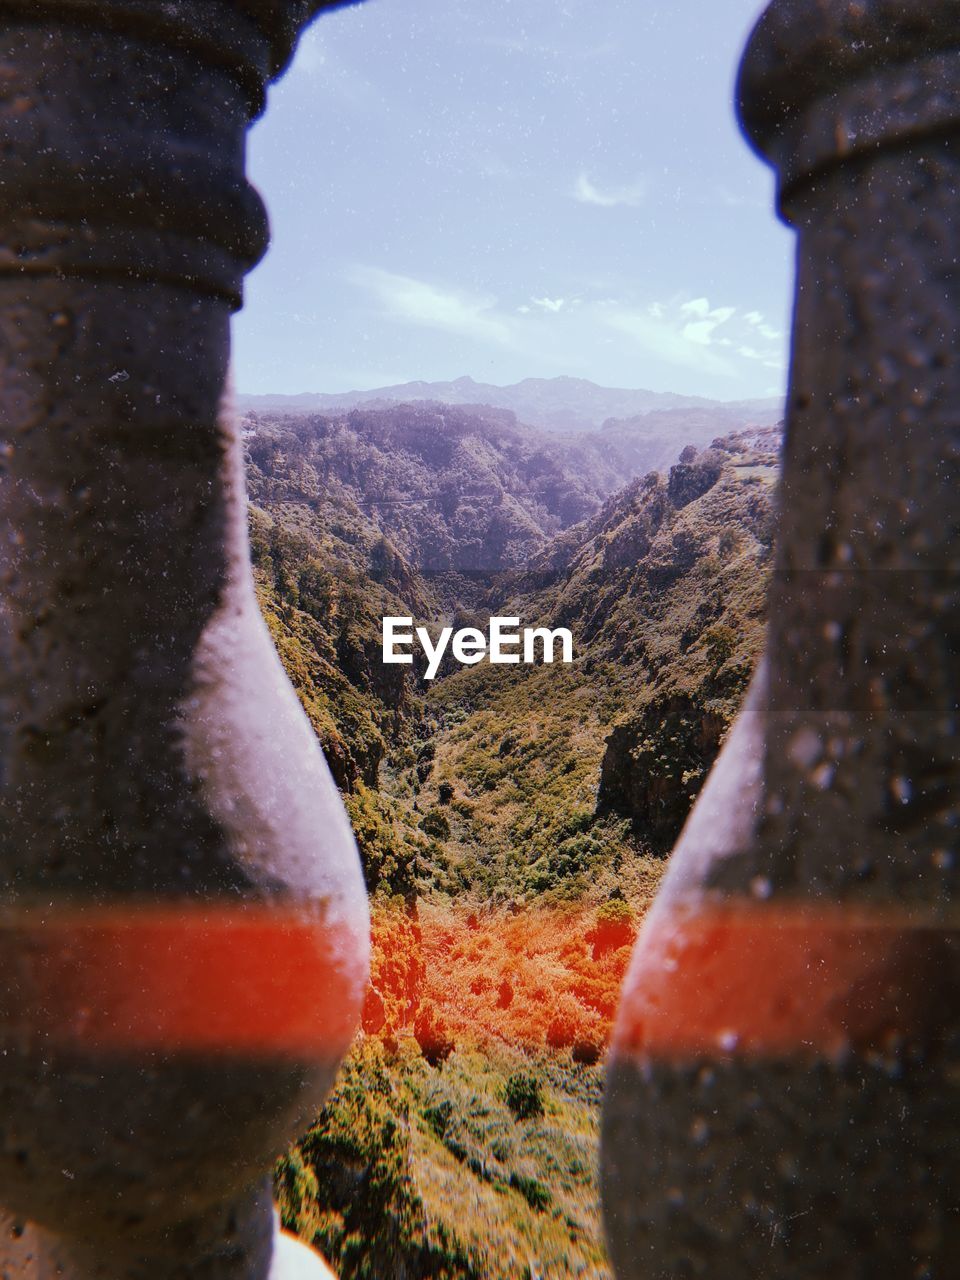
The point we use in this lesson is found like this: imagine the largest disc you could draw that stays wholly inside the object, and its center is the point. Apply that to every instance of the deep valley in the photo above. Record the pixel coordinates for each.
(513, 821)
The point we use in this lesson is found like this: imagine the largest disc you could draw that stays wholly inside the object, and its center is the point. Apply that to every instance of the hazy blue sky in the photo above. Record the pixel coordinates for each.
(516, 188)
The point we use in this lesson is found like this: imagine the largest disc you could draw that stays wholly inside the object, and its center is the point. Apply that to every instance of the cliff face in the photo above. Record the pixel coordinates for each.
(325, 577)
(698, 589)
(654, 766)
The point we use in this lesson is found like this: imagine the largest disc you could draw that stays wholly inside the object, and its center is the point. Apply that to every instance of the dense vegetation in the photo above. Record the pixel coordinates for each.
(512, 821)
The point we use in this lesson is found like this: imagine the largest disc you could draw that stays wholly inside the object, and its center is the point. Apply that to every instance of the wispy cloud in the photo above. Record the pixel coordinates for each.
(668, 334)
(557, 329)
(765, 330)
(587, 192)
(419, 302)
(704, 320)
(694, 334)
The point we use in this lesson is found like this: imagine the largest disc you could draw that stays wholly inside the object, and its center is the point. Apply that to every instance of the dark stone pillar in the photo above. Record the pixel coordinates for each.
(783, 1091)
(183, 925)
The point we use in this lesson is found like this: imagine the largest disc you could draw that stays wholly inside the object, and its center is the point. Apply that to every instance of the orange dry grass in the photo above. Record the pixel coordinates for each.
(541, 976)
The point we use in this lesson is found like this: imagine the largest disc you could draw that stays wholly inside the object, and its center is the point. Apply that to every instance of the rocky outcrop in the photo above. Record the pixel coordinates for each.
(654, 765)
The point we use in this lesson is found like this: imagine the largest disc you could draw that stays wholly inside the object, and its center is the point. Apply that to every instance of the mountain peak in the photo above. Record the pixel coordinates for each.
(563, 403)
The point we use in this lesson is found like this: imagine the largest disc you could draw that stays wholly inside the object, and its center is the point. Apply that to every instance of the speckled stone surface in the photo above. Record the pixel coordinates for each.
(151, 750)
(837, 797)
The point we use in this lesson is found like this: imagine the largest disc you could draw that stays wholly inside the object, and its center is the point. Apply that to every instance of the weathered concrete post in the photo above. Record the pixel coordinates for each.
(183, 925)
(783, 1092)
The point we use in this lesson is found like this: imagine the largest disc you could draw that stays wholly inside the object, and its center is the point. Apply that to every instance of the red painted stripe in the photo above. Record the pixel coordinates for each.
(250, 980)
(782, 981)
(262, 981)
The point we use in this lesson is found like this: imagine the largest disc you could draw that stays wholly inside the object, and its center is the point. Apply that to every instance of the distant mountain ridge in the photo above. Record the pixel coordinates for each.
(553, 404)
(457, 488)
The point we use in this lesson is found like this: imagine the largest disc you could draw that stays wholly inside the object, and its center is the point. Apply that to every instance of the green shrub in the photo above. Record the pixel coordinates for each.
(535, 1194)
(523, 1095)
(437, 1116)
(721, 641)
(296, 1190)
(434, 822)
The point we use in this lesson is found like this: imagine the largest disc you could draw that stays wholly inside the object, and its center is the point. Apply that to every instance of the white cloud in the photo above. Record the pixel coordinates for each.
(765, 330)
(558, 331)
(667, 337)
(696, 307)
(694, 334)
(418, 302)
(708, 321)
(588, 192)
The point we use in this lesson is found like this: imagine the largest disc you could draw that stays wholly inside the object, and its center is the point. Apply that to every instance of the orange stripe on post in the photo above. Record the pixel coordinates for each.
(782, 982)
(251, 980)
